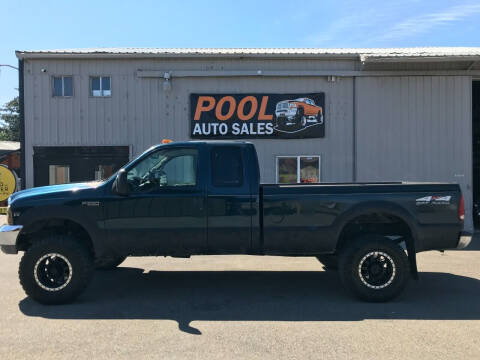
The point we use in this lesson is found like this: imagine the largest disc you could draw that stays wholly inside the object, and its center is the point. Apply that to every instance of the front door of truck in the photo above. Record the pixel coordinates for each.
(229, 200)
(164, 212)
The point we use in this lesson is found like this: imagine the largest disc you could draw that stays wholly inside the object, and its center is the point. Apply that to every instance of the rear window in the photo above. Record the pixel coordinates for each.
(227, 167)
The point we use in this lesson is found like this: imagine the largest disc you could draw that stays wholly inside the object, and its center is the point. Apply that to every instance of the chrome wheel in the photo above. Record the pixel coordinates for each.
(376, 270)
(53, 272)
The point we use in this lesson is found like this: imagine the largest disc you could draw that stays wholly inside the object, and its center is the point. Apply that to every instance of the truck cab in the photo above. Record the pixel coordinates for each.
(185, 198)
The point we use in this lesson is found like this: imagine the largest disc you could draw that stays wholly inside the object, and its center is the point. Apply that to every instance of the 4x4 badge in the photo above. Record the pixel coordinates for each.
(434, 200)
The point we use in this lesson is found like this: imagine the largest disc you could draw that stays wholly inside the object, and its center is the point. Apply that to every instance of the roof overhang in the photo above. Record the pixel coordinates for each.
(393, 59)
(372, 55)
(176, 55)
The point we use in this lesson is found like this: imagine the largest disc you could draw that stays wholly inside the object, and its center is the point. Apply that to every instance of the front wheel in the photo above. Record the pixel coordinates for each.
(300, 118)
(374, 268)
(55, 269)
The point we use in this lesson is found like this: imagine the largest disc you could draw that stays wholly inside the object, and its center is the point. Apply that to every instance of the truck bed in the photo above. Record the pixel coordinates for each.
(314, 214)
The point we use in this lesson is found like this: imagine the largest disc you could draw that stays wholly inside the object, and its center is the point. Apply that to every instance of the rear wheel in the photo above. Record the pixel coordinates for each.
(109, 263)
(55, 269)
(374, 268)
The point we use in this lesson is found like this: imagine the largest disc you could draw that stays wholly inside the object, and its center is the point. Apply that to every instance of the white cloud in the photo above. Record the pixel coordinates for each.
(362, 21)
(372, 23)
(423, 23)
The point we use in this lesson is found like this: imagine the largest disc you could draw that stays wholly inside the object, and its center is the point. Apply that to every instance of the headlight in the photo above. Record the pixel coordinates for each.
(9, 216)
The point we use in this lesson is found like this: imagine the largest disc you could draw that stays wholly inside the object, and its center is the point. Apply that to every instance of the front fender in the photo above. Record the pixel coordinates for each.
(78, 215)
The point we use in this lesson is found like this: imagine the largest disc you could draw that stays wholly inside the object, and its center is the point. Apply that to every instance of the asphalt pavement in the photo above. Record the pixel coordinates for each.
(248, 307)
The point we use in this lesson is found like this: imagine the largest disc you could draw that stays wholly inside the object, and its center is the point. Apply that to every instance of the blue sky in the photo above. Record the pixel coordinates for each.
(33, 24)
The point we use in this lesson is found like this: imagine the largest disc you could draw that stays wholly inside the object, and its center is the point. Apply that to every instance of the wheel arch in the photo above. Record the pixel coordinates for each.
(405, 221)
(39, 220)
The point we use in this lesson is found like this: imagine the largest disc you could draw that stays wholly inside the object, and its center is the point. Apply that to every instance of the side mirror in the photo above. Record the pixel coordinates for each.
(120, 185)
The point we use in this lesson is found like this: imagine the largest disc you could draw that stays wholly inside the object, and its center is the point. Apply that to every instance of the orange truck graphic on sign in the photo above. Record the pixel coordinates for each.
(298, 113)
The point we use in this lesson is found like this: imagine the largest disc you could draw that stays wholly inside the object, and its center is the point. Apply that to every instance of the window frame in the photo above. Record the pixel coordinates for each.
(298, 157)
(63, 86)
(90, 90)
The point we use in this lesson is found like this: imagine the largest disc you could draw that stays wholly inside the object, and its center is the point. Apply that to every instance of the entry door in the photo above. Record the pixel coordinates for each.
(164, 212)
(229, 201)
(476, 152)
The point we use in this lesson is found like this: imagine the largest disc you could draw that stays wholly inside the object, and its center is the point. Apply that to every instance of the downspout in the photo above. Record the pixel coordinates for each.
(22, 121)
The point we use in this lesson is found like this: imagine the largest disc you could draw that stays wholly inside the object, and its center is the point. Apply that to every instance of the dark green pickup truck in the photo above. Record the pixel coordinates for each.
(205, 198)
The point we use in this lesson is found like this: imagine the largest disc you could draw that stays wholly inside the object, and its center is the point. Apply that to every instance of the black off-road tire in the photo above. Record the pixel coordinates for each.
(109, 263)
(373, 247)
(299, 116)
(78, 256)
(281, 122)
(329, 261)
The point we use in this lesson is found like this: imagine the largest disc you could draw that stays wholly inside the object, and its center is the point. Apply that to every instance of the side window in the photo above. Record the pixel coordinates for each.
(227, 167)
(170, 167)
(180, 171)
(63, 86)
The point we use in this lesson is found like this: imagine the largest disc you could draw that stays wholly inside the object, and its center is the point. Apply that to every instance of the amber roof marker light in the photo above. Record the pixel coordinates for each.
(166, 141)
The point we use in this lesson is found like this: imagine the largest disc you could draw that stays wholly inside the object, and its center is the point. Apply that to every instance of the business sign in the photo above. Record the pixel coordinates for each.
(8, 182)
(241, 116)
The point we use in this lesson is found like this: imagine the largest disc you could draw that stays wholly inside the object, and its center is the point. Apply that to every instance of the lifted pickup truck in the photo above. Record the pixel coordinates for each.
(205, 198)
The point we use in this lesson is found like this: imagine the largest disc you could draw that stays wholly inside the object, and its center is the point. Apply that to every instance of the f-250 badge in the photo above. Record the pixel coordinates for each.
(433, 200)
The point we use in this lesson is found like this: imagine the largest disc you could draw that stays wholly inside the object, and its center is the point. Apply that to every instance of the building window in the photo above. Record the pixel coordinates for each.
(100, 86)
(298, 169)
(63, 86)
(103, 172)
(58, 174)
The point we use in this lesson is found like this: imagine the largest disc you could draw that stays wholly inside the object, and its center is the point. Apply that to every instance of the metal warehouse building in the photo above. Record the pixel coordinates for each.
(315, 115)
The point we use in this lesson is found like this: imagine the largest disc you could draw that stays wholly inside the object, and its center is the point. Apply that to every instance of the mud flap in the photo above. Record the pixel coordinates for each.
(412, 258)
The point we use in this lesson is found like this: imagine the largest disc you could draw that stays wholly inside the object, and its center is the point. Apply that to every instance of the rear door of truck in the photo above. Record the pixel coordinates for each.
(229, 203)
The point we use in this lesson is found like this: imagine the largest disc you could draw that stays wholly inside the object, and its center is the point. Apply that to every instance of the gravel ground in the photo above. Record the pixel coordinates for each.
(226, 307)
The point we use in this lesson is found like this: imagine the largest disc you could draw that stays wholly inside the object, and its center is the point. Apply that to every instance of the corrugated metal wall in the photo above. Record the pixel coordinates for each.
(140, 113)
(407, 128)
(415, 128)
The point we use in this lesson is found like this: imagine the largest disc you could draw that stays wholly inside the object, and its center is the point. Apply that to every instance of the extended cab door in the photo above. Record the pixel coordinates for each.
(229, 202)
(164, 211)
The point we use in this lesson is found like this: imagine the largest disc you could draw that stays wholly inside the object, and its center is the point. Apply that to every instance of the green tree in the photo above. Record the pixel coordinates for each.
(10, 121)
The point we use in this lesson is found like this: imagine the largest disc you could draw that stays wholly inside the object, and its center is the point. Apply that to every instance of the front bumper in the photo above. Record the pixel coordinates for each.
(8, 237)
(464, 240)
